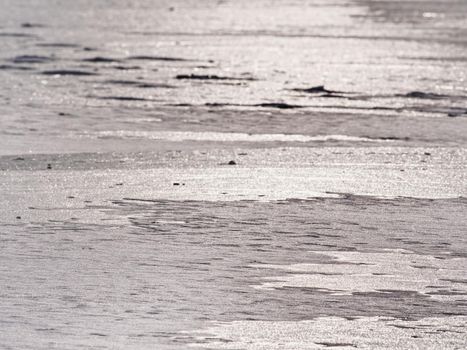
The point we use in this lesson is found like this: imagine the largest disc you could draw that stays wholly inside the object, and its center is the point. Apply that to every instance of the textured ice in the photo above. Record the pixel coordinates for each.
(386, 271)
(374, 333)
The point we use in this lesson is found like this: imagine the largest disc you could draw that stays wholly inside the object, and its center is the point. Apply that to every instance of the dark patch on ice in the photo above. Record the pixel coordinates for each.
(388, 138)
(433, 58)
(126, 67)
(309, 290)
(68, 72)
(99, 59)
(58, 45)
(295, 273)
(31, 59)
(453, 313)
(208, 104)
(137, 200)
(154, 85)
(321, 92)
(138, 84)
(446, 292)
(230, 83)
(211, 77)
(330, 345)
(63, 114)
(320, 89)
(10, 67)
(217, 104)
(231, 162)
(279, 105)
(158, 58)
(455, 112)
(422, 267)
(17, 35)
(122, 98)
(423, 95)
(394, 293)
(334, 96)
(181, 105)
(463, 281)
(32, 25)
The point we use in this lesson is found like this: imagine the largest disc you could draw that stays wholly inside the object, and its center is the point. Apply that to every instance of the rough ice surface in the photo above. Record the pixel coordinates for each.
(233, 174)
(338, 333)
(386, 271)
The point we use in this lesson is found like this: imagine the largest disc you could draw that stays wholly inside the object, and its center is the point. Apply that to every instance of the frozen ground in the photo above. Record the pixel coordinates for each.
(173, 176)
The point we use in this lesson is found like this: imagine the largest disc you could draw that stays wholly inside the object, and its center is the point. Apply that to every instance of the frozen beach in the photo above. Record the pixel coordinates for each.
(233, 174)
